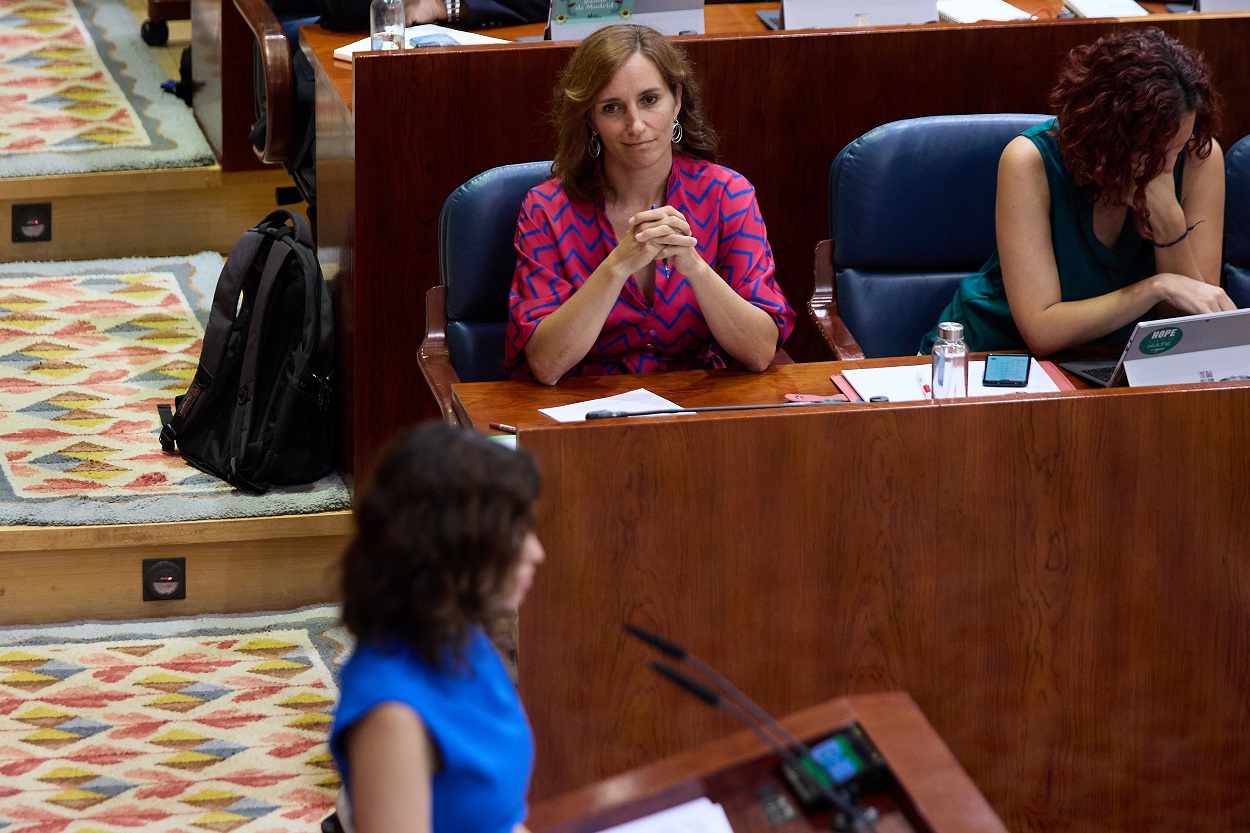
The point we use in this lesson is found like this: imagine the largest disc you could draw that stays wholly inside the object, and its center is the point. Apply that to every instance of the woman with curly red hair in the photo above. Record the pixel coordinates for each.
(1111, 213)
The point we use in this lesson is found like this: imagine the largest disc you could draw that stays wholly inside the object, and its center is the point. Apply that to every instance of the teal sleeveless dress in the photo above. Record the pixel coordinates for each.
(1087, 268)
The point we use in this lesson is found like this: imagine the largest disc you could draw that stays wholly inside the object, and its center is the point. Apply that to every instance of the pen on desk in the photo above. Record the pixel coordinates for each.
(663, 261)
(928, 391)
(499, 426)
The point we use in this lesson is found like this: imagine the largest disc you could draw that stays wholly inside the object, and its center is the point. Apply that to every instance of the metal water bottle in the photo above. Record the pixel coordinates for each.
(950, 362)
(386, 24)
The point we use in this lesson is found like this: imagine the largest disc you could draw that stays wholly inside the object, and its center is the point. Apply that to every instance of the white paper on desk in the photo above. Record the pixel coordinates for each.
(901, 384)
(898, 383)
(699, 816)
(970, 11)
(1039, 381)
(634, 401)
(344, 53)
(1106, 8)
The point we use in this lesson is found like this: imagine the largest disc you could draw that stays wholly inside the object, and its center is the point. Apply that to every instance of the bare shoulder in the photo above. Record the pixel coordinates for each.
(1021, 158)
(1215, 158)
(1198, 168)
(1204, 178)
(388, 726)
(391, 719)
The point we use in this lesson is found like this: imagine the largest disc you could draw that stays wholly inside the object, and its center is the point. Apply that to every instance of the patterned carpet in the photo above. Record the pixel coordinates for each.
(87, 351)
(214, 723)
(80, 92)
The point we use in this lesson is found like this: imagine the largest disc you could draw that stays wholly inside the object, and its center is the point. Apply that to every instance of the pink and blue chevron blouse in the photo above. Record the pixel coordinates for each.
(560, 242)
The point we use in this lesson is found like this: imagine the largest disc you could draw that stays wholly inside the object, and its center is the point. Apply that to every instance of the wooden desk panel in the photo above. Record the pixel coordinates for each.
(222, 68)
(784, 103)
(1058, 581)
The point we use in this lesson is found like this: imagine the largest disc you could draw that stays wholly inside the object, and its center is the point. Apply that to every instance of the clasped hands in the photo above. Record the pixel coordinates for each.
(659, 234)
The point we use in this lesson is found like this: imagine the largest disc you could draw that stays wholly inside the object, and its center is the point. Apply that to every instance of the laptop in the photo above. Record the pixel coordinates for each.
(1221, 5)
(1213, 347)
(835, 14)
(575, 19)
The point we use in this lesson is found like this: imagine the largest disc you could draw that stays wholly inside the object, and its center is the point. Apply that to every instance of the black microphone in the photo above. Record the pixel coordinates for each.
(672, 649)
(656, 641)
(793, 752)
(605, 414)
(697, 689)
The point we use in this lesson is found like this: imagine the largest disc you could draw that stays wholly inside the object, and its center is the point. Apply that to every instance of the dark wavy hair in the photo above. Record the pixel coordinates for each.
(437, 534)
(1120, 101)
(590, 69)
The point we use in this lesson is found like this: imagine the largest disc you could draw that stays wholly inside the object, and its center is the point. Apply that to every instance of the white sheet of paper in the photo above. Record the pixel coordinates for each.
(1039, 381)
(1106, 8)
(699, 816)
(634, 401)
(905, 383)
(970, 11)
(898, 383)
(344, 53)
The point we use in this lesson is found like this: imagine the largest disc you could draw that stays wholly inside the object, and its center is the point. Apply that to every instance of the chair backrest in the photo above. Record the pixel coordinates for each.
(911, 213)
(1237, 222)
(476, 260)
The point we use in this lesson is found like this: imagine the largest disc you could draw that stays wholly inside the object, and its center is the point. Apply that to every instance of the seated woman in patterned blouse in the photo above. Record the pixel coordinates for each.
(641, 254)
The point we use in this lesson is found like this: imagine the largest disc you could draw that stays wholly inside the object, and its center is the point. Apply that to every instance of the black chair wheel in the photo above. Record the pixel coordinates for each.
(154, 32)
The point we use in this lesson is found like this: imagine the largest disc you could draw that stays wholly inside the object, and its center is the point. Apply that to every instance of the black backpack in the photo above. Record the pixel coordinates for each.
(261, 408)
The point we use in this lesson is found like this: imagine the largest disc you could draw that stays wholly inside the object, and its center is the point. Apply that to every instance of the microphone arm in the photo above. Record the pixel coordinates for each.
(677, 652)
(781, 742)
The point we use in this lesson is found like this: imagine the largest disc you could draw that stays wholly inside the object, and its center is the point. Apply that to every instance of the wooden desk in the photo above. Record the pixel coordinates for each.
(933, 793)
(402, 131)
(1058, 580)
(222, 68)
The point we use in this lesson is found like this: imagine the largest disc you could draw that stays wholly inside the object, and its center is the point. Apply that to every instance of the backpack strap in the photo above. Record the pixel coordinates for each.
(279, 252)
(216, 334)
(284, 217)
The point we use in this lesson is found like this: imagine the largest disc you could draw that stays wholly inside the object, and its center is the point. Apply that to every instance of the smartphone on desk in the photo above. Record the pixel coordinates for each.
(1006, 370)
(432, 40)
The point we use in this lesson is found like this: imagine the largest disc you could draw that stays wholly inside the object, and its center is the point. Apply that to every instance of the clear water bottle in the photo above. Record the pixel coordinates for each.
(386, 24)
(950, 362)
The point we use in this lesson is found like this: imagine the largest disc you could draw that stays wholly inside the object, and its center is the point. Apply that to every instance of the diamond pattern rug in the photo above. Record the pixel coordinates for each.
(87, 352)
(216, 723)
(80, 92)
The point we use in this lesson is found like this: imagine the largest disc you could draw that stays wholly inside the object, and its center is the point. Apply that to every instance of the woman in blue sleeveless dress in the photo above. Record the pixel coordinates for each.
(1110, 214)
(430, 734)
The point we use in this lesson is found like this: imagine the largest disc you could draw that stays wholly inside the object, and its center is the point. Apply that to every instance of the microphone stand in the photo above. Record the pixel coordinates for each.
(792, 751)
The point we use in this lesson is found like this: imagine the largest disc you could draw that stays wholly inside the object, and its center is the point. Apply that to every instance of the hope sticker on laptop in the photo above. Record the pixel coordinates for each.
(1160, 341)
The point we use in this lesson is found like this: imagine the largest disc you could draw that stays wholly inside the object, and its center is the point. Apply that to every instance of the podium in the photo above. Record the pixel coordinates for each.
(926, 790)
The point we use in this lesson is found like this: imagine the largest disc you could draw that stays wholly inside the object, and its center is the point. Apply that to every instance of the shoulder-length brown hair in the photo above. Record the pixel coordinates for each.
(1120, 101)
(589, 71)
(438, 532)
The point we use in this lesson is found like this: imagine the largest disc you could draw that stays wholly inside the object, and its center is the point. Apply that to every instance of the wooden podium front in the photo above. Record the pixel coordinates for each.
(928, 791)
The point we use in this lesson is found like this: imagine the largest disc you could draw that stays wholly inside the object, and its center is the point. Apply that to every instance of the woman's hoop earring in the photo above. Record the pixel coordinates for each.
(595, 146)
(677, 131)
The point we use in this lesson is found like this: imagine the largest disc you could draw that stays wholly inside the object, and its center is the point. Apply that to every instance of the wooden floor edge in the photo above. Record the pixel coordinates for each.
(47, 538)
(34, 188)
